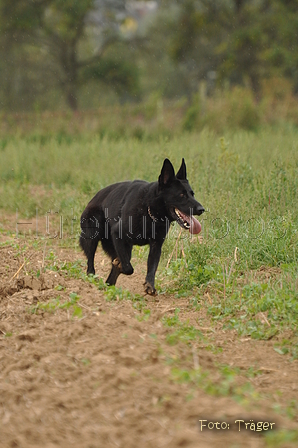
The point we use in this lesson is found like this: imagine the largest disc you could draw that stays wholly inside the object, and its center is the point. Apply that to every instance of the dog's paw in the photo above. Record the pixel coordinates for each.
(116, 262)
(127, 270)
(149, 289)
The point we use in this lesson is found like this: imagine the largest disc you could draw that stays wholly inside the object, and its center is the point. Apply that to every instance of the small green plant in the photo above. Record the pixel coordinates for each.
(74, 270)
(183, 331)
(145, 315)
(232, 371)
(227, 385)
(85, 361)
(114, 294)
(281, 437)
(55, 304)
(260, 310)
(8, 334)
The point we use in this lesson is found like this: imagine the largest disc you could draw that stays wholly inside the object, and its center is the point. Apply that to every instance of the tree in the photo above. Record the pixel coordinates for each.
(244, 57)
(282, 32)
(64, 29)
(227, 37)
(191, 32)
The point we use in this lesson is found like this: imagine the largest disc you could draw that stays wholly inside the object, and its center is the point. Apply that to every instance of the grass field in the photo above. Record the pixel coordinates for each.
(243, 270)
(248, 183)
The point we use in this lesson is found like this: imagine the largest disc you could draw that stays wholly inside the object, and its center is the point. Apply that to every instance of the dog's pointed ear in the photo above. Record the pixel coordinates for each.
(182, 171)
(167, 173)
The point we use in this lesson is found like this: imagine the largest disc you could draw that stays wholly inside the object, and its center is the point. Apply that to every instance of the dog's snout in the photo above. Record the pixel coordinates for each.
(200, 210)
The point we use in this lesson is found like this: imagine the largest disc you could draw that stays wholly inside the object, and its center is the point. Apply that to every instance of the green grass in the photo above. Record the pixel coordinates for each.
(225, 386)
(182, 330)
(247, 181)
(281, 438)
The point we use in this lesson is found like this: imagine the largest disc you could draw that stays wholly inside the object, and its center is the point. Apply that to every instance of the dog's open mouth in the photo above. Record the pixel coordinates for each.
(187, 222)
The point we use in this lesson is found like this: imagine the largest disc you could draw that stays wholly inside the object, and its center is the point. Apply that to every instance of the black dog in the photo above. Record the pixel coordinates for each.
(137, 213)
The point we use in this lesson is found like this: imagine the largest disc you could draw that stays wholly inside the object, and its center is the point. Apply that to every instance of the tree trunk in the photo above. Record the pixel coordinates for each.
(70, 66)
(256, 87)
(71, 97)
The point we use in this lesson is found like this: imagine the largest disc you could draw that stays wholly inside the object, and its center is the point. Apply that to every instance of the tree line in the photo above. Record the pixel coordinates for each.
(51, 51)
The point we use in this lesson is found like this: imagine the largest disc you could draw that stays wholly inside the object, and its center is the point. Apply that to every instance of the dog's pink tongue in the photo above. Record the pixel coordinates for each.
(195, 226)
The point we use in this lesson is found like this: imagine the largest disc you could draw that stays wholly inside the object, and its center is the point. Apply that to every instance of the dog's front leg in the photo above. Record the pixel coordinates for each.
(152, 264)
(123, 249)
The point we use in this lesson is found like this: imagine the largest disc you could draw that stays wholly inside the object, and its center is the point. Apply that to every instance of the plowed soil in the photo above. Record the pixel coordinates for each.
(105, 377)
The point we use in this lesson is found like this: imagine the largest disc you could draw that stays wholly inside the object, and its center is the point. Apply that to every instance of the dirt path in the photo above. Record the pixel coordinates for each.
(89, 372)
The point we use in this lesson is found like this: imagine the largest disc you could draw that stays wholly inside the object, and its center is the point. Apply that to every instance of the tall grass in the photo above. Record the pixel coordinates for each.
(240, 174)
(247, 181)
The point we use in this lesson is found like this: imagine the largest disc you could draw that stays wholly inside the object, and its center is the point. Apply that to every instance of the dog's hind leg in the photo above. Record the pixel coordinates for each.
(90, 235)
(89, 247)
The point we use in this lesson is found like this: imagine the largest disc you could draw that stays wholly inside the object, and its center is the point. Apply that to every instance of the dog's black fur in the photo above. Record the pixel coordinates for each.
(137, 213)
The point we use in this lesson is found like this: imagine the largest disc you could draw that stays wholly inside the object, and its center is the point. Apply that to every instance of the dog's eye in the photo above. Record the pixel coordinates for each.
(182, 195)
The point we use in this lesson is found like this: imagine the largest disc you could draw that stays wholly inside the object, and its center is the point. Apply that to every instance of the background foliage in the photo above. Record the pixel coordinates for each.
(84, 54)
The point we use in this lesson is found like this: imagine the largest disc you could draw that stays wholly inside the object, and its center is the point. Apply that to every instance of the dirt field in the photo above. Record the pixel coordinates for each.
(100, 374)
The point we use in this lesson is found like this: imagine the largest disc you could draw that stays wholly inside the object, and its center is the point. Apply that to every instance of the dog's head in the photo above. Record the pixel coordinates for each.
(179, 197)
